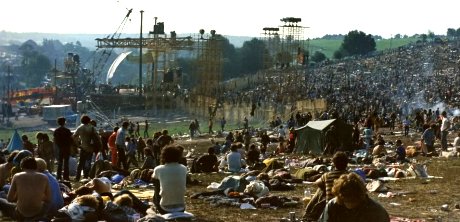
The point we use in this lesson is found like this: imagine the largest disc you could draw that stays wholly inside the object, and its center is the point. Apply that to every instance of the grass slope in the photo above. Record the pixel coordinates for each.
(329, 46)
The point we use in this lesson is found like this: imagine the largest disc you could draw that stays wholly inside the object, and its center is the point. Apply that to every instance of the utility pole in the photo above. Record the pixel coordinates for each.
(140, 56)
(8, 105)
(55, 81)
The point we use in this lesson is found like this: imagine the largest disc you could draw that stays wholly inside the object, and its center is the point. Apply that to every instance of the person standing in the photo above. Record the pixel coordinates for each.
(140, 148)
(406, 124)
(113, 146)
(131, 151)
(165, 139)
(46, 152)
(445, 126)
(246, 123)
(197, 127)
(192, 129)
(222, 123)
(210, 123)
(146, 129)
(137, 130)
(63, 140)
(84, 133)
(121, 146)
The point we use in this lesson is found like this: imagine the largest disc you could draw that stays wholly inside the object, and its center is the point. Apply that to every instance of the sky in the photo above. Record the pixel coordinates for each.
(231, 17)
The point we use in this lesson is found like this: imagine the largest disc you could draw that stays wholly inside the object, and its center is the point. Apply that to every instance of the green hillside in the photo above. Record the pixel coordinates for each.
(328, 46)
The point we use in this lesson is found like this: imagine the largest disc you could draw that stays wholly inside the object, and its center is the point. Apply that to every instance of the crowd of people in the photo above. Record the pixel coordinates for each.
(34, 189)
(404, 80)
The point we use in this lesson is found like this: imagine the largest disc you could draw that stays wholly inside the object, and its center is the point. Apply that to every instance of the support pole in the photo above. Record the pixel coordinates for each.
(140, 56)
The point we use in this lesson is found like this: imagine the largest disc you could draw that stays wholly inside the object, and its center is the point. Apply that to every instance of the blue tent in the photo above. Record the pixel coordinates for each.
(15, 142)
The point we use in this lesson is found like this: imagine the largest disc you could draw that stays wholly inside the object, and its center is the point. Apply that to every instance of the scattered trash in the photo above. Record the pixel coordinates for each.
(445, 207)
(245, 206)
(388, 194)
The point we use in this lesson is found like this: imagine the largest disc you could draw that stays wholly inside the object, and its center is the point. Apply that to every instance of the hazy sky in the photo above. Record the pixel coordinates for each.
(231, 17)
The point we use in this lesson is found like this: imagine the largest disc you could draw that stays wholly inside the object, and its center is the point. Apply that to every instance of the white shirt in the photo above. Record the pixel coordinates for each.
(445, 125)
(234, 161)
(172, 177)
(457, 141)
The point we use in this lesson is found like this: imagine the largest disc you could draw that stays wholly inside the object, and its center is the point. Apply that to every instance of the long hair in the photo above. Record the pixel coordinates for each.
(170, 154)
(349, 187)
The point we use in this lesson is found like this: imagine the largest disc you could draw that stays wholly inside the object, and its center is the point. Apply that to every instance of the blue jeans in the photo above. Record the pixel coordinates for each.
(84, 157)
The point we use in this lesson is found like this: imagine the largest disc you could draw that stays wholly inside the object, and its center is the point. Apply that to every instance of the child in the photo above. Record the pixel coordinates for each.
(400, 152)
(131, 151)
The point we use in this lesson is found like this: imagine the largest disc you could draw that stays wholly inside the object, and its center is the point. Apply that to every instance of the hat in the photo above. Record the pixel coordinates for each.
(21, 155)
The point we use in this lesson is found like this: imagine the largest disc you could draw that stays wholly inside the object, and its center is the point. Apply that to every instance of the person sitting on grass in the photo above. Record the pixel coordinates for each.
(29, 195)
(57, 201)
(325, 183)
(169, 182)
(351, 202)
(207, 163)
(400, 152)
(149, 161)
(5, 168)
(234, 160)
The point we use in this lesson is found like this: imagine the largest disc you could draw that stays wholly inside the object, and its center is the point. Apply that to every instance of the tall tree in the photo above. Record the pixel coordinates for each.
(451, 33)
(431, 35)
(318, 57)
(252, 54)
(231, 66)
(358, 43)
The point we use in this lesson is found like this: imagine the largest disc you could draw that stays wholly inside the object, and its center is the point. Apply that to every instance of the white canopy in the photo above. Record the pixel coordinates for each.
(115, 64)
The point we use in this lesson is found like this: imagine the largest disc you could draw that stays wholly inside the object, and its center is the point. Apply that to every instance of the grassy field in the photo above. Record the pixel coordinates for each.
(174, 128)
(328, 47)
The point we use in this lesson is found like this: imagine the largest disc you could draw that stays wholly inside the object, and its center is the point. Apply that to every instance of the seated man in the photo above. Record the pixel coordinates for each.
(207, 163)
(57, 201)
(252, 158)
(234, 160)
(400, 152)
(5, 169)
(380, 149)
(29, 193)
(170, 182)
(352, 202)
(325, 183)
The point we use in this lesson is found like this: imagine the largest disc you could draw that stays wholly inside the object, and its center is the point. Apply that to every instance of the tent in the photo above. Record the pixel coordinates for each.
(15, 142)
(311, 137)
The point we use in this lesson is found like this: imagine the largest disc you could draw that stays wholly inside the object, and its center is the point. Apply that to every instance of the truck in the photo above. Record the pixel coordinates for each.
(52, 112)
